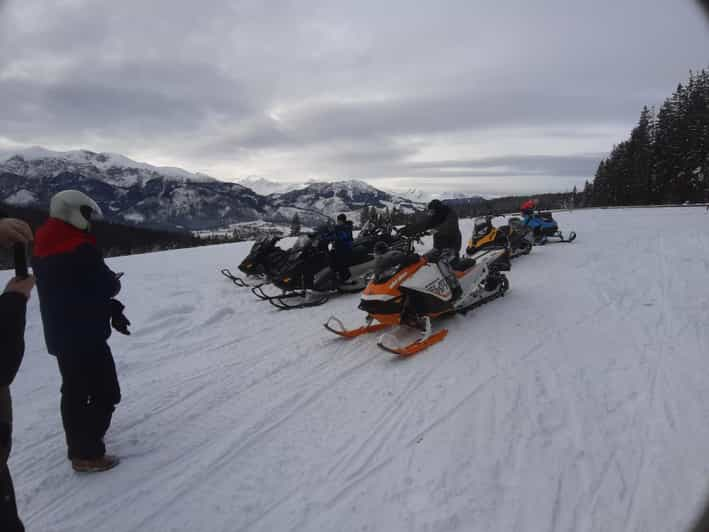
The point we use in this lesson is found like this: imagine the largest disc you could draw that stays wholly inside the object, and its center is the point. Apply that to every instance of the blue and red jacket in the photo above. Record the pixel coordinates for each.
(75, 287)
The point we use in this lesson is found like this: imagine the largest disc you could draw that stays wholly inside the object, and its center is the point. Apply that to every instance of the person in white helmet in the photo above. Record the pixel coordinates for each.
(76, 294)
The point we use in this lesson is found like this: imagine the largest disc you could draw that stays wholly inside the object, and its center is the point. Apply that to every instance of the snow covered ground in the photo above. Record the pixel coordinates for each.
(579, 402)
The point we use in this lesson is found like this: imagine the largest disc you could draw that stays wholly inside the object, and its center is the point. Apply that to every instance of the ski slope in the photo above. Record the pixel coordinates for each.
(578, 402)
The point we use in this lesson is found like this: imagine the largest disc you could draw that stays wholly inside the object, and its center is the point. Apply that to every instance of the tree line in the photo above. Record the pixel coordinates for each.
(666, 157)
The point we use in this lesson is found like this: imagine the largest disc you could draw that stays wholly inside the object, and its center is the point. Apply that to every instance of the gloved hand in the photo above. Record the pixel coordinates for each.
(118, 319)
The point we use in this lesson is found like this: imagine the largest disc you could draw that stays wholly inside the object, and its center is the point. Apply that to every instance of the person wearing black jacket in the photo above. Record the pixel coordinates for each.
(447, 239)
(76, 295)
(341, 253)
(13, 307)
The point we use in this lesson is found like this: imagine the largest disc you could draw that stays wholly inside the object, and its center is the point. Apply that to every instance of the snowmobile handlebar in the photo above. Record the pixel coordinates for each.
(413, 239)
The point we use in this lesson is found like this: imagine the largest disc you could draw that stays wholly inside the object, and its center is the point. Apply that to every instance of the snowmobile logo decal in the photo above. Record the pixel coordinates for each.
(438, 287)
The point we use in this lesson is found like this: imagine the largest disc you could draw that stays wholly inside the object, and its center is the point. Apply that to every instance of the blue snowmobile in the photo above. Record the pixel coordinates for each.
(543, 225)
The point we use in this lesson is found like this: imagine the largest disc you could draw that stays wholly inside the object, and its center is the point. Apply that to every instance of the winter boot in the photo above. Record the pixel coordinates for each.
(449, 275)
(455, 288)
(94, 465)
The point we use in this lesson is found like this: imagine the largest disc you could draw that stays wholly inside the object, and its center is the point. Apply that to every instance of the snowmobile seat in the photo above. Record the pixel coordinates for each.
(360, 254)
(462, 264)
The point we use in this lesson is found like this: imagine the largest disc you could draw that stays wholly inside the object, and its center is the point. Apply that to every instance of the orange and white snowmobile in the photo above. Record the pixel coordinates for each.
(409, 290)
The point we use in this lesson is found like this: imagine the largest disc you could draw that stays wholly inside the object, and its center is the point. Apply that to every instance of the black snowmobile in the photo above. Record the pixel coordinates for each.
(263, 262)
(308, 279)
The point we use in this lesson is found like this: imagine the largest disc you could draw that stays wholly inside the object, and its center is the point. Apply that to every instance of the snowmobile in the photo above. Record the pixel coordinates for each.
(544, 227)
(409, 290)
(263, 261)
(307, 278)
(516, 236)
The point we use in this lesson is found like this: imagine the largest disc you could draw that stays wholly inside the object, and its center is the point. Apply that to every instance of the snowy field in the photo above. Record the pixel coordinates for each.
(578, 402)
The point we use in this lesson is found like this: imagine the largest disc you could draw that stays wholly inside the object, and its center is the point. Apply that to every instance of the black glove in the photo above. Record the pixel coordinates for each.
(118, 319)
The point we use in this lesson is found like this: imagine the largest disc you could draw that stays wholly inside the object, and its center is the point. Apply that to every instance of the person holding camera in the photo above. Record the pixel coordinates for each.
(13, 307)
(76, 295)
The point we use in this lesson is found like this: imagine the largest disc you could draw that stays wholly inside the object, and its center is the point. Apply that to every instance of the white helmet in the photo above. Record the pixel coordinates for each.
(74, 208)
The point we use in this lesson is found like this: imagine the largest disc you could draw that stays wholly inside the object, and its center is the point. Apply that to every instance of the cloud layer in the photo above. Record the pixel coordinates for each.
(522, 94)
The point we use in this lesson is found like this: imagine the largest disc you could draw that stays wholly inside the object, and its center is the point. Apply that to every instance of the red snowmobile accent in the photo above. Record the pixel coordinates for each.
(414, 347)
(339, 328)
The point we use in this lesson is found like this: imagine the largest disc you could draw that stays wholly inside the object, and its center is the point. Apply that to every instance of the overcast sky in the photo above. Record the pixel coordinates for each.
(478, 96)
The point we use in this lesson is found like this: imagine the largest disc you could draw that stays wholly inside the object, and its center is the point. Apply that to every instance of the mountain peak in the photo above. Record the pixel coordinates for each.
(40, 161)
(172, 198)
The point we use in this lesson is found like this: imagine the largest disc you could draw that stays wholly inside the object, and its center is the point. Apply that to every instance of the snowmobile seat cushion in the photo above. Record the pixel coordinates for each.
(462, 264)
(360, 254)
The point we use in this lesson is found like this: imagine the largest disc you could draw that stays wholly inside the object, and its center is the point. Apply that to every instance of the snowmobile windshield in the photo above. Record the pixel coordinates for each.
(262, 244)
(387, 264)
(301, 242)
(481, 227)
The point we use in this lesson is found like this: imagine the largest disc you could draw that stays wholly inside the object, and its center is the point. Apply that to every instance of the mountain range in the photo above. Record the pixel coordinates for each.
(172, 198)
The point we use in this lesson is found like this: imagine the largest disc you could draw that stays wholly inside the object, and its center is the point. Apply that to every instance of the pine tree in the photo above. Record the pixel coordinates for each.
(666, 158)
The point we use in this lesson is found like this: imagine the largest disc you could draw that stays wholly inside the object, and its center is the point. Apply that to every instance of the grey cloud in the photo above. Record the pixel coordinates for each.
(358, 88)
(456, 112)
(579, 165)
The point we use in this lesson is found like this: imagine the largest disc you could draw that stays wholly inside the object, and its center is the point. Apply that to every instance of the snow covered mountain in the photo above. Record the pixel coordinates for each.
(417, 195)
(334, 198)
(265, 187)
(578, 402)
(173, 198)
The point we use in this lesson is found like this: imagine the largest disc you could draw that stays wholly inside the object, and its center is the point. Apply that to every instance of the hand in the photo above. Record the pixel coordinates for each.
(21, 286)
(118, 319)
(121, 323)
(13, 230)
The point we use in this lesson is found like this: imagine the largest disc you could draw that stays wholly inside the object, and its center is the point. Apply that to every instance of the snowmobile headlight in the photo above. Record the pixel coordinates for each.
(248, 265)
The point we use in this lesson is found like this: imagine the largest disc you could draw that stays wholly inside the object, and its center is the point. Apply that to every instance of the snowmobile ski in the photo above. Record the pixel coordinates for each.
(282, 302)
(339, 328)
(557, 237)
(258, 292)
(388, 342)
(238, 281)
(412, 348)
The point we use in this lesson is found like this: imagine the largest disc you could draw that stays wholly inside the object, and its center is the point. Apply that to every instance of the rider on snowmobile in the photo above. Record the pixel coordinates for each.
(443, 222)
(528, 207)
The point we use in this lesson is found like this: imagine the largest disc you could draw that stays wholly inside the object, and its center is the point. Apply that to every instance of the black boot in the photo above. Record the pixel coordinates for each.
(456, 290)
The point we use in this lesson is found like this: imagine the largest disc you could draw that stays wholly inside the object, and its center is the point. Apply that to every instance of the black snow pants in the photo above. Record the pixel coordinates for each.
(339, 262)
(9, 520)
(90, 391)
